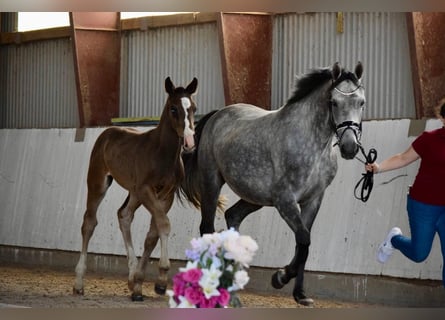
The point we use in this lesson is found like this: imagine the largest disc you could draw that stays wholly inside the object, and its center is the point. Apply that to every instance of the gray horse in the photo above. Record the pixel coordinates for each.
(283, 158)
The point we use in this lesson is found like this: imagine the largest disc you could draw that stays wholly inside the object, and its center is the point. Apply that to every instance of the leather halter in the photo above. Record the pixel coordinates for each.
(347, 125)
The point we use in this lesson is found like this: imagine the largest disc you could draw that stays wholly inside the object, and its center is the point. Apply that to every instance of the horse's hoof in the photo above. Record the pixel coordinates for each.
(137, 297)
(160, 289)
(303, 300)
(78, 292)
(277, 281)
(307, 302)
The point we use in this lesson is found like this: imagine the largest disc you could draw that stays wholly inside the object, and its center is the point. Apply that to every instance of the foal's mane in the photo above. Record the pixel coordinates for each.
(315, 79)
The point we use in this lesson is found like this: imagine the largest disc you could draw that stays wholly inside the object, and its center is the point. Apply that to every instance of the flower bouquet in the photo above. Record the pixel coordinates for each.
(215, 270)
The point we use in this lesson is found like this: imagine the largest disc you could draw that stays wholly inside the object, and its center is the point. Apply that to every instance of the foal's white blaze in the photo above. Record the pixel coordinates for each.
(188, 133)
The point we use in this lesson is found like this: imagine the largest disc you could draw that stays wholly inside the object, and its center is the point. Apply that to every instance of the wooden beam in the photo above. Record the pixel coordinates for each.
(144, 23)
(246, 53)
(427, 46)
(97, 45)
(28, 36)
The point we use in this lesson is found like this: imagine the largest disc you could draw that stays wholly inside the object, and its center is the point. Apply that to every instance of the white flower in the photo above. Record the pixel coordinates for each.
(248, 243)
(216, 262)
(184, 303)
(240, 279)
(229, 234)
(209, 281)
(171, 301)
(241, 249)
(189, 265)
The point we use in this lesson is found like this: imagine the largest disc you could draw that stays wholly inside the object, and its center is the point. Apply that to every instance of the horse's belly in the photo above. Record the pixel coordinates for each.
(255, 191)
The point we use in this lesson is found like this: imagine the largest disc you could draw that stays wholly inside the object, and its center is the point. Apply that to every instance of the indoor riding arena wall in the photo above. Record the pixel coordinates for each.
(43, 195)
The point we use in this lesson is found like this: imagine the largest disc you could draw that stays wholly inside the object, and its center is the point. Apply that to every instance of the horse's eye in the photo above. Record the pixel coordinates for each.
(174, 110)
(362, 104)
(334, 103)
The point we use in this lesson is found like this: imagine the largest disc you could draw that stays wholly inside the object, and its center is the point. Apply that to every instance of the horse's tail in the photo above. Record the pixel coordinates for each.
(189, 188)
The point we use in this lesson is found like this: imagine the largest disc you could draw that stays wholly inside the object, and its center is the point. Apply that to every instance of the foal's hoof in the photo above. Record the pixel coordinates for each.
(303, 300)
(160, 289)
(137, 297)
(78, 292)
(277, 279)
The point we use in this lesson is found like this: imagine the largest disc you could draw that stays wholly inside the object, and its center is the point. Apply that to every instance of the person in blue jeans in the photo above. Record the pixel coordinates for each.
(426, 198)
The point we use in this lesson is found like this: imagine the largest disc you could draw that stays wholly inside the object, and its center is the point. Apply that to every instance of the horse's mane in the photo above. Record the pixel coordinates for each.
(315, 79)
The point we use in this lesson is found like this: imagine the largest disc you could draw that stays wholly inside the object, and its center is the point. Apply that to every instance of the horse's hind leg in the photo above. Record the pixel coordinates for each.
(96, 192)
(125, 215)
(211, 184)
(238, 212)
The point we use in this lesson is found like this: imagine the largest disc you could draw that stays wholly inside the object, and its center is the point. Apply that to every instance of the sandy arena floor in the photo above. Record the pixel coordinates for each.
(45, 288)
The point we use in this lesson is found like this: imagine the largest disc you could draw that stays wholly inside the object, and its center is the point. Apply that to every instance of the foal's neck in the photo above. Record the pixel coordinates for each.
(169, 141)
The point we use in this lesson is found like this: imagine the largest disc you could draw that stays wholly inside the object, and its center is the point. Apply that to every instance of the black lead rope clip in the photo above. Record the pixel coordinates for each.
(367, 179)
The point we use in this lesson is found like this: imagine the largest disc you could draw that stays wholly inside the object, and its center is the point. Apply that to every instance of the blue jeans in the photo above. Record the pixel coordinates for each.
(424, 220)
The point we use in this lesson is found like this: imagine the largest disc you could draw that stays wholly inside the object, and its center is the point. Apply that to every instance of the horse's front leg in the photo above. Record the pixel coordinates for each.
(292, 215)
(159, 230)
(296, 268)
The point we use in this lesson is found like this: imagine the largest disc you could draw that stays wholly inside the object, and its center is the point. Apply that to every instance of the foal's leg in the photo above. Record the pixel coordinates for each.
(125, 215)
(238, 212)
(97, 187)
(159, 229)
(139, 275)
(150, 243)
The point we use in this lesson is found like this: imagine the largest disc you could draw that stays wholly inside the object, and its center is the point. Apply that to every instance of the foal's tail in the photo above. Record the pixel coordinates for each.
(189, 188)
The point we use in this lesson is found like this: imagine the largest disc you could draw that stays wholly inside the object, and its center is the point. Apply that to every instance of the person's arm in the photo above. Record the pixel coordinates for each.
(395, 162)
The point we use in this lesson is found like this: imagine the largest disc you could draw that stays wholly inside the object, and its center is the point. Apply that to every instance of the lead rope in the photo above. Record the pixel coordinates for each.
(367, 179)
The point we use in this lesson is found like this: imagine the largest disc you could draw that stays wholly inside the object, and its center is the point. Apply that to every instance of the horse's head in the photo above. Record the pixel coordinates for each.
(181, 108)
(347, 103)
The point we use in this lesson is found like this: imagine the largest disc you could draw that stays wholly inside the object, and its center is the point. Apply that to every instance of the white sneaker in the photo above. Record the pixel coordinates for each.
(386, 249)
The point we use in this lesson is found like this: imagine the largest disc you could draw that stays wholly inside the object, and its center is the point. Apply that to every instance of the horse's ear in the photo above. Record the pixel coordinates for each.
(336, 71)
(169, 86)
(359, 70)
(191, 88)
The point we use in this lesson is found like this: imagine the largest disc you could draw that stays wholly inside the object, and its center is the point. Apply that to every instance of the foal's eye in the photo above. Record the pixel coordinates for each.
(174, 110)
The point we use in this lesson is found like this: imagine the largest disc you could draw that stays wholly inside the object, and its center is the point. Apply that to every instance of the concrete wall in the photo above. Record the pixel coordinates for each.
(43, 192)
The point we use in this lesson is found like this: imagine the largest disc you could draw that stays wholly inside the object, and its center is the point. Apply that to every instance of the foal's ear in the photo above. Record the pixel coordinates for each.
(169, 86)
(191, 88)
(336, 71)
(359, 70)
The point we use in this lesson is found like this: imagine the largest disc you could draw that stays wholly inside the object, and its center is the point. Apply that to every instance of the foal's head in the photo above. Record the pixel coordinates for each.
(180, 109)
(347, 103)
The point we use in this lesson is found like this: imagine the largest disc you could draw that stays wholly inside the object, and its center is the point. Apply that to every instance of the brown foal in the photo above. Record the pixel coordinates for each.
(148, 165)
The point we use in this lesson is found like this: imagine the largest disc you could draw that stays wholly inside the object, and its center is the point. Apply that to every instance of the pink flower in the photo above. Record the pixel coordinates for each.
(208, 303)
(193, 294)
(192, 275)
(178, 285)
(224, 297)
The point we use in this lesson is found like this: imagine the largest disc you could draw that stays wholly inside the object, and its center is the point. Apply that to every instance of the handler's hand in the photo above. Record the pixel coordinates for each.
(373, 167)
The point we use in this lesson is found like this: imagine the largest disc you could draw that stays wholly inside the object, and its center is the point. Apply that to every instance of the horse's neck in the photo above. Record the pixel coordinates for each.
(313, 114)
(169, 142)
